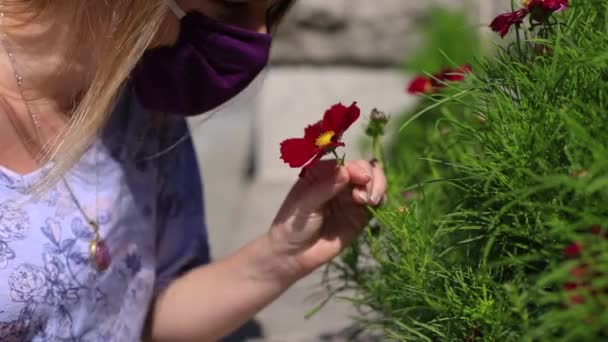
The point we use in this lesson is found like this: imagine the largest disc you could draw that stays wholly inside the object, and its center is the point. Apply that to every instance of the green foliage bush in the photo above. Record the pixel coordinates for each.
(445, 33)
(488, 186)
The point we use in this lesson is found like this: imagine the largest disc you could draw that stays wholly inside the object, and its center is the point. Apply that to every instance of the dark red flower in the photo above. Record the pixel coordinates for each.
(539, 9)
(465, 69)
(548, 6)
(320, 138)
(573, 250)
(454, 75)
(596, 230)
(542, 9)
(577, 299)
(557, 5)
(502, 23)
(578, 272)
(421, 85)
(569, 286)
(429, 85)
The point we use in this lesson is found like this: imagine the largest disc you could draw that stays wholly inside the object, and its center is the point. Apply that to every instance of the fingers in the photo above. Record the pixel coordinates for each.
(369, 180)
(324, 181)
(320, 184)
(361, 175)
(380, 185)
(360, 172)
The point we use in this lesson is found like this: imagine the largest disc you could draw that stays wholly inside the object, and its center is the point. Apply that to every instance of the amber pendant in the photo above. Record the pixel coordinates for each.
(99, 254)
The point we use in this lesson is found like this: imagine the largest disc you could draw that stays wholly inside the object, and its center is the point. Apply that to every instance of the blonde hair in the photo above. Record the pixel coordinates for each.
(121, 30)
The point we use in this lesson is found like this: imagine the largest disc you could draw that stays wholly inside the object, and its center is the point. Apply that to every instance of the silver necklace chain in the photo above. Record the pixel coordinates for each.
(97, 242)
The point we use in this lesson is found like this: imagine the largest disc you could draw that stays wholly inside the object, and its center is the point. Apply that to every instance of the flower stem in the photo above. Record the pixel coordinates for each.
(339, 160)
(518, 42)
(377, 147)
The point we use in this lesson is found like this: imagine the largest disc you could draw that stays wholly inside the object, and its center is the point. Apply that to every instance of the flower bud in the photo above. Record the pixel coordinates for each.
(377, 122)
(377, 115)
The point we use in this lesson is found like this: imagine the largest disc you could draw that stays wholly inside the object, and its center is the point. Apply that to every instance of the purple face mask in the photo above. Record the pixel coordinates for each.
(210, 63)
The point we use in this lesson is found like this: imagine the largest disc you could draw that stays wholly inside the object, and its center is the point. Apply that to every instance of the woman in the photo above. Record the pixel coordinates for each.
(101, 228)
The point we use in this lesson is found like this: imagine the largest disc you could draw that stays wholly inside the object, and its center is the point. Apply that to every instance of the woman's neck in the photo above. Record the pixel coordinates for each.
(49, 87)
(41, 49)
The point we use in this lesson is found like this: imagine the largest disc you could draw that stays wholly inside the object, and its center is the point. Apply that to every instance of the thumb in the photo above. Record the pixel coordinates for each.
(320, 184)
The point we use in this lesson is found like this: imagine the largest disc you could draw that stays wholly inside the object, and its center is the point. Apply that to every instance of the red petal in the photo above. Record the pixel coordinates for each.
(420, 85)
(578, 272)
(577, 299)
(297, 152)
(534, 3)
(548, 6)
(596, 230)
(442, 74)
(455, 75)
(312, 132)
(320, 155)
(503, 22)
(312, 163)
(465, 69)
(573, 250)
(569, 286)
(339, 118)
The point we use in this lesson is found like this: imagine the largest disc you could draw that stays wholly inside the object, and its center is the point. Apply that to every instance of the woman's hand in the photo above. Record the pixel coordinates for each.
(324, 213)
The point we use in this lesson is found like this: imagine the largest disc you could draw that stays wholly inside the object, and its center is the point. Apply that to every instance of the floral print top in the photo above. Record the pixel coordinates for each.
(148, 205)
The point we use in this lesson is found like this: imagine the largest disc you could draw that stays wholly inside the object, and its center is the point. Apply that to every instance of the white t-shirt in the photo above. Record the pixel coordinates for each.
(151, 218)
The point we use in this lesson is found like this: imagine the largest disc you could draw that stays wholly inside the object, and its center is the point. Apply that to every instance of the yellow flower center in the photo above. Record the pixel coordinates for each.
(324, 139)
(525, 2)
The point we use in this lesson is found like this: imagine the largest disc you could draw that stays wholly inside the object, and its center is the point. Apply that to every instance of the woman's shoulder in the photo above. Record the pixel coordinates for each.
(135, 131)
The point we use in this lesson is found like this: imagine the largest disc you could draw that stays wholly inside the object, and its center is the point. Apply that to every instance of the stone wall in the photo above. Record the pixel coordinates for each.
(360, 32)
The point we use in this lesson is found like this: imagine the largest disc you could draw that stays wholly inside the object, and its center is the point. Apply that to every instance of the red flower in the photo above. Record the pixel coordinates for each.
(540, 10)
(454, 75)
(502, 23)
(577, 299)
(320, 138)
(582, 276)
(578, 272)
(548, 6)
(429, 85)
(557, 5)
(573, 250)
(596, 230)
(421, 85)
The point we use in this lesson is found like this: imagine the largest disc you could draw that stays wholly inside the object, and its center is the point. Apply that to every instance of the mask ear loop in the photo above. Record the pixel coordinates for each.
(176, 9)
(253, 89)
